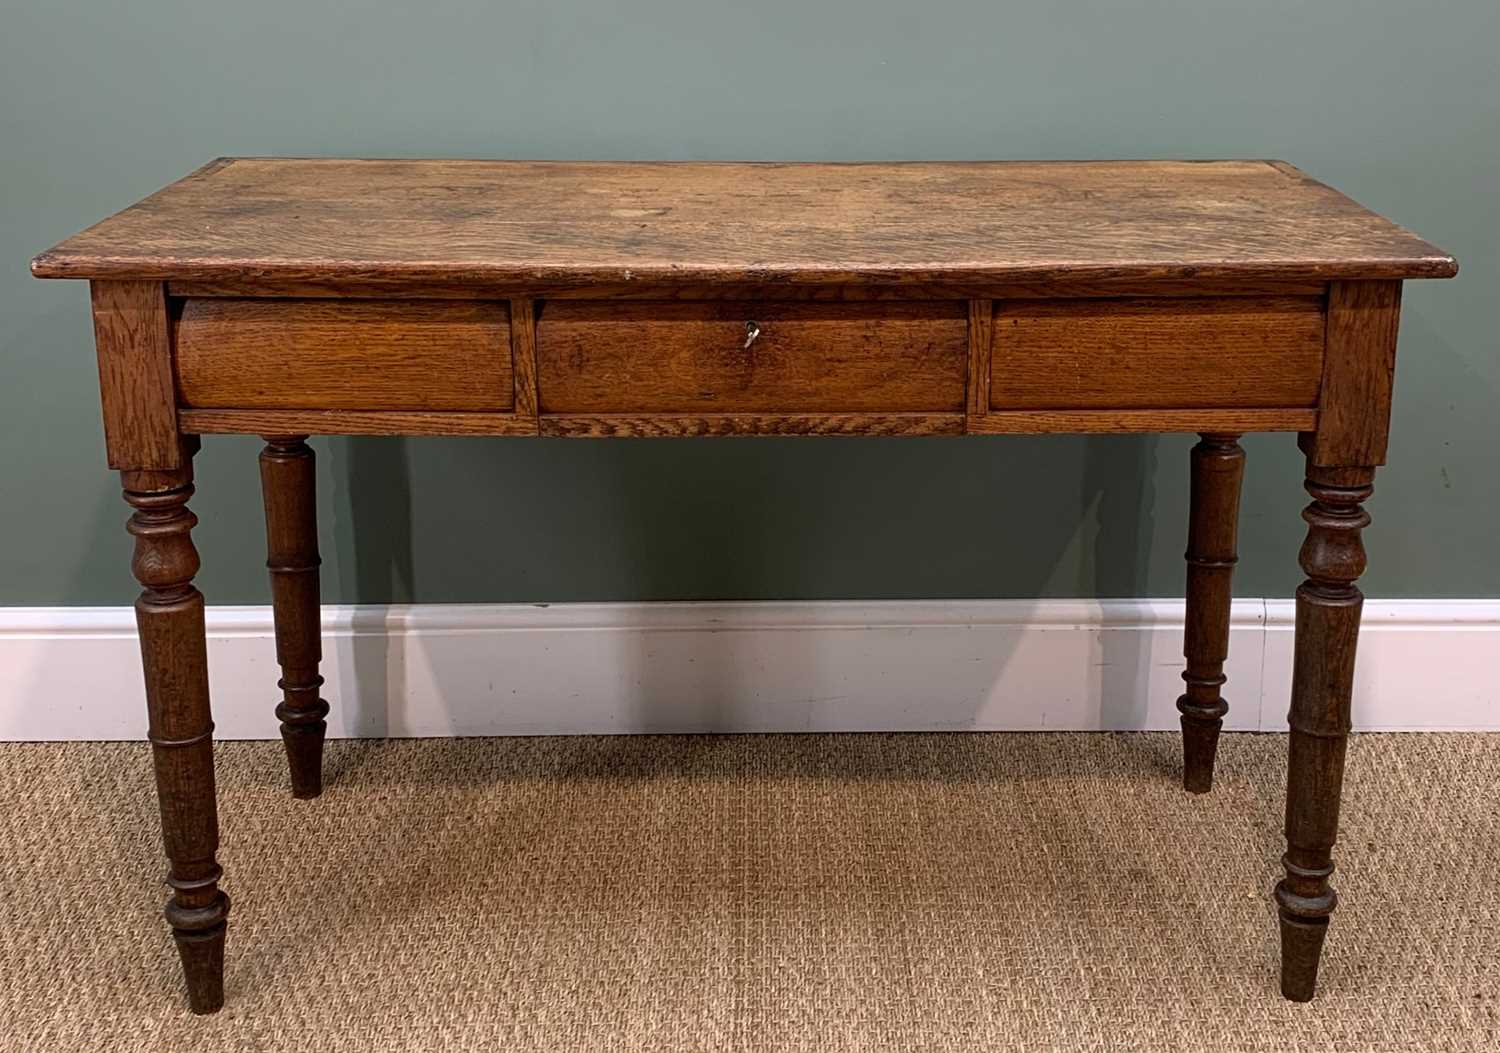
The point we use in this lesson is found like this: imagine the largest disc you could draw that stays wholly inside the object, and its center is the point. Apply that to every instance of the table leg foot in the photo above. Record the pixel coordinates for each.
(304, 756)
(1218, 466)
(1200, 747)
(288, 485)
(1301, 948)
(202, 955)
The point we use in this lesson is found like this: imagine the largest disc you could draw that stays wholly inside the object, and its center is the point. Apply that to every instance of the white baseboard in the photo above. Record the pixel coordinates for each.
(441, 669)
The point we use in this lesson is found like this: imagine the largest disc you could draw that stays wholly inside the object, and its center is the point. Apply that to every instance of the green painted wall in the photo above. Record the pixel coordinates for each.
(1396, 103)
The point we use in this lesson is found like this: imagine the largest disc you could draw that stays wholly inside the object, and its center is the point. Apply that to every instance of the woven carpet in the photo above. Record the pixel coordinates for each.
(756, 893)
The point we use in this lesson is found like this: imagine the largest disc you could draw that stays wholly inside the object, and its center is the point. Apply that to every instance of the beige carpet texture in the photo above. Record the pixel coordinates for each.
(756, 893)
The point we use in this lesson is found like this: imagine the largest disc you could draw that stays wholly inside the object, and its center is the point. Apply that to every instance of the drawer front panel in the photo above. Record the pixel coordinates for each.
(344, 354)
(1230, 352)
(603, 357)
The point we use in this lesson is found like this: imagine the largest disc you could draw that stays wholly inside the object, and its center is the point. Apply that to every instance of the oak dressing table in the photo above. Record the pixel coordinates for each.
(289, 297)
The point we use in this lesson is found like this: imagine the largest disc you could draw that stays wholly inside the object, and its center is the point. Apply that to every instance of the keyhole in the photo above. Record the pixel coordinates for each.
(752, 332)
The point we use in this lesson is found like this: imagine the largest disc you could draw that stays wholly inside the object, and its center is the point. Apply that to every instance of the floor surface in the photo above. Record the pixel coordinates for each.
(756, 893)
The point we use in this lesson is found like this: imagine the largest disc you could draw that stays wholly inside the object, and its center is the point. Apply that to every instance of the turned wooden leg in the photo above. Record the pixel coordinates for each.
(289, 486)
(1328, 609)
(169, 614)
(1218, 465)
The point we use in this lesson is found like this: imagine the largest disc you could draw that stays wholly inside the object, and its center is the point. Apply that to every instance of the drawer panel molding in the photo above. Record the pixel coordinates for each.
(412, 355)
(599, 357)
(1204, 353)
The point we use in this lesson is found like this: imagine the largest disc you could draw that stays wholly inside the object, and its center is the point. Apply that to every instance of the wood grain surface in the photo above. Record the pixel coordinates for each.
(354, 354)
(685, 425)
(290, 219)
(1054, 287)
(135, 375)
(523, 355)
(1146, 421)
(981, 346)
(350, 422)
(997, 422)
(1164, 354)
(1359, 372)
(598, 357)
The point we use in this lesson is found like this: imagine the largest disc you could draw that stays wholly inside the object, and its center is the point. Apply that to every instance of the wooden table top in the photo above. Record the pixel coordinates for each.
(289, 220)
